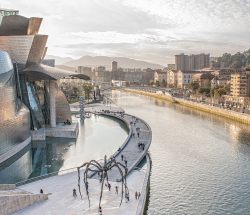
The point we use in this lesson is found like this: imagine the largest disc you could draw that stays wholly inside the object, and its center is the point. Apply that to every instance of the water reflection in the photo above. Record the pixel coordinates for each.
(200, 161)
(98, 136)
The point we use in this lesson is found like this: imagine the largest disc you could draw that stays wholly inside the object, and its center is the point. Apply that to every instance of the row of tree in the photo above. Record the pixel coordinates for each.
(72, 92)
(235, 61)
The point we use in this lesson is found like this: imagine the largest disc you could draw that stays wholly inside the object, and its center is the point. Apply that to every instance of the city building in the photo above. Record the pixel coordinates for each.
(219, 81)
(147, 76)
(192, 62)
(114, 66)
(184, 78)
(133, 77)
(172, 78)
(85, 70)
(171, 66)
(239, 89)
(204, 79)
(160, 76)
(240, 84)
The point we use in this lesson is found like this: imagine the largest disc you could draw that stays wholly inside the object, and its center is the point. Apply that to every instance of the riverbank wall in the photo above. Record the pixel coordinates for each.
(232, 115)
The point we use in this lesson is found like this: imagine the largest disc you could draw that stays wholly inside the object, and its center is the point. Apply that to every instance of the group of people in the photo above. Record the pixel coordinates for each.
(67, 122)
(125, 161)
(141, 146)
(137, 195)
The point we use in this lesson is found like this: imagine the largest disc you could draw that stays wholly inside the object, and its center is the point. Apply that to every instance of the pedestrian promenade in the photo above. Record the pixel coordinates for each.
(61, 200)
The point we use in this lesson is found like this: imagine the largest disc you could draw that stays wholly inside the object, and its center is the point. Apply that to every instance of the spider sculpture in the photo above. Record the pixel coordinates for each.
(102, 169)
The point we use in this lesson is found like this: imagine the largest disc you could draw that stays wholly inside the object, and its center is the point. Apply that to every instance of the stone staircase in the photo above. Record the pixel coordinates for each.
(13, 199)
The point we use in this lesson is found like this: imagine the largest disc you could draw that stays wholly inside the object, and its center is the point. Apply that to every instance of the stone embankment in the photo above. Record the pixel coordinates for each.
(233, 115)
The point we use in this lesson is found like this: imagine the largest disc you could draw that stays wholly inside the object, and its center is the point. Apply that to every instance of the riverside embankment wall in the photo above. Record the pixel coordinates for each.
(239, 117)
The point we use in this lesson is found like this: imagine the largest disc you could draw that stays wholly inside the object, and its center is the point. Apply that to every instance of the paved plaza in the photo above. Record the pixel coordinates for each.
(61, 200)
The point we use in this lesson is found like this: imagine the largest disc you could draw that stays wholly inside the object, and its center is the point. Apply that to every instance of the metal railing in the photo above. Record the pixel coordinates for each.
(60, 172)
(142, 201)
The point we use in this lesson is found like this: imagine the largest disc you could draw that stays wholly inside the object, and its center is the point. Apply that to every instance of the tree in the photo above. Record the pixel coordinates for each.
(194, 86)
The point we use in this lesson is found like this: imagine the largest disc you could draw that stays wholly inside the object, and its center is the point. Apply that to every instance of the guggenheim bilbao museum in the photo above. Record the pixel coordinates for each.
(31, 104)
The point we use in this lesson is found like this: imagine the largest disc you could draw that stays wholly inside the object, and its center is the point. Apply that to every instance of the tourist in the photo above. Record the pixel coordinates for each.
(126, 162)
(116, 189)
(109, 186)
(139, 194)
(74, 193)
(138, 134)
(41, 191)
(122, 157)
(136, 195)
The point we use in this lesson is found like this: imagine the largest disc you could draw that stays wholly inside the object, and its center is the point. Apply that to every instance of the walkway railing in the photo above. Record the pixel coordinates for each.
(144, 194)
(60, 172)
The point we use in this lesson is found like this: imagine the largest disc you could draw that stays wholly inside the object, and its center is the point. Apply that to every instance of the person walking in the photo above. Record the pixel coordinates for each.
(109, 186)
(41, 191)
(122, 157)
(116, 189)
(126, 163)
(74, 193)
(136, 195)
(139, 194)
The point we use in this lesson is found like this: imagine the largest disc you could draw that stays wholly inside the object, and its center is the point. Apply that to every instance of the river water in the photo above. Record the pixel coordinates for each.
(98, 136)
(201, 163)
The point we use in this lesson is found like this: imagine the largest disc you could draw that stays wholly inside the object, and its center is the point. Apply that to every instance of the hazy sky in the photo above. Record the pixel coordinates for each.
(151, 30)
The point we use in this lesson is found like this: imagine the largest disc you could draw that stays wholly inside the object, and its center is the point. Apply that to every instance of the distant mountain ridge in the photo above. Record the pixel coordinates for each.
(91, 61)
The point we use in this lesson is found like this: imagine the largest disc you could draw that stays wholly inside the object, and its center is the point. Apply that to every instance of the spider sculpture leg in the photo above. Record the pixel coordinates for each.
(100, 199)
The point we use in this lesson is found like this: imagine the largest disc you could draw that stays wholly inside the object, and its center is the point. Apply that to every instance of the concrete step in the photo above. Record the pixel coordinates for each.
(12, 192)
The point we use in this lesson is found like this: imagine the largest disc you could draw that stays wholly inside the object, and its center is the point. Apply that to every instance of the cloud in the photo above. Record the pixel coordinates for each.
(143, 29)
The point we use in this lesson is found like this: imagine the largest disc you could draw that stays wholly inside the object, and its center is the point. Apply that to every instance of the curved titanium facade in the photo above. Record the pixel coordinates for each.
(15, 118)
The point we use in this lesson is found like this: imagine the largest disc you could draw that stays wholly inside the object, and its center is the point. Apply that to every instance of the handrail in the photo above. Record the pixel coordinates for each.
(46, 176)
(140, 207)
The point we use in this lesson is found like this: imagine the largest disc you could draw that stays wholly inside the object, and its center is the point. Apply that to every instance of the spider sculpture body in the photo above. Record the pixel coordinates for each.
(102, 170)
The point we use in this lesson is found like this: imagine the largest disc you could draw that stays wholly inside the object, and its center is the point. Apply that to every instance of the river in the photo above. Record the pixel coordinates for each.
(201, 163)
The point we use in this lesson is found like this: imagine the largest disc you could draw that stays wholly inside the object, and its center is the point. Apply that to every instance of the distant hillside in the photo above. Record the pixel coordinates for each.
(68, 68)
(59, 60)
(105, 61)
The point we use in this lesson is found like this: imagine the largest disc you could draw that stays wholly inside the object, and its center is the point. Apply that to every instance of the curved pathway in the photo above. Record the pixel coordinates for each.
(61, 201)
(130, 150)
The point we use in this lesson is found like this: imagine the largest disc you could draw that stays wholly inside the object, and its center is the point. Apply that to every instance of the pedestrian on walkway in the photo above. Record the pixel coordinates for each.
(116, 189)
(74, 193)
(109, 186)
(136, 195)
(139, 194)
(41, 191)
(126, 163)
(122, 157)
